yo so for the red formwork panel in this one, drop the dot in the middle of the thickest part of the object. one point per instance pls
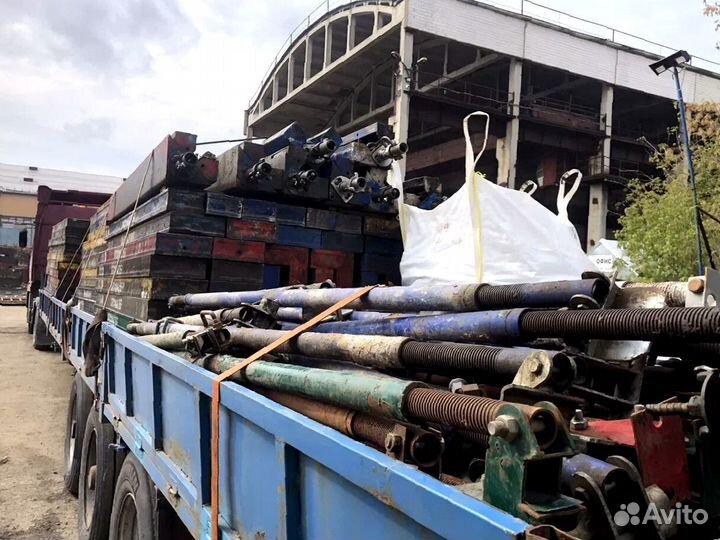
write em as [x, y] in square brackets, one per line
[245, 229]
[296, 259]
[336, 265]
[238, 250]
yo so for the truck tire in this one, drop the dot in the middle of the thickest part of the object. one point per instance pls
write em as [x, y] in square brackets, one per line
[96, 476]
[133, 511]
[30, 319]
[41, 341]
[79, 405]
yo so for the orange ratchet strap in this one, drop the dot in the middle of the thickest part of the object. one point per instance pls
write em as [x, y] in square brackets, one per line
[215, 433]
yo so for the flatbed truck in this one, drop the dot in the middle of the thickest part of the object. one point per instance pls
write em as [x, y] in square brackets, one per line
[138, 451]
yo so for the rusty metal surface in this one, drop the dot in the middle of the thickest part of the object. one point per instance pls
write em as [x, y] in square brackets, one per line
[670, 293]
[379, 352]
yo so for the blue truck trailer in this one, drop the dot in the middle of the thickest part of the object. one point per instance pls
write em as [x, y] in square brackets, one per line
[281, 474]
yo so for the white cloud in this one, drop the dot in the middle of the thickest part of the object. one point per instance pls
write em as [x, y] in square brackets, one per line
[93, 86]
[130, 76]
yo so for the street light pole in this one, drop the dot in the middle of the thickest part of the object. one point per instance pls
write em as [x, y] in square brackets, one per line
[691, 169]
[674, 62]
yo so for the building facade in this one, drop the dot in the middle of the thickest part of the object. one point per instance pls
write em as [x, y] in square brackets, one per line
[558, 98]
[18, 201]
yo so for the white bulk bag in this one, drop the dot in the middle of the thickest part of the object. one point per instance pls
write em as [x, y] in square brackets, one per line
[485, 233]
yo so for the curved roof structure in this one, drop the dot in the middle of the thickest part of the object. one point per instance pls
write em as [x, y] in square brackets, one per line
[337, 69]
[347, 47]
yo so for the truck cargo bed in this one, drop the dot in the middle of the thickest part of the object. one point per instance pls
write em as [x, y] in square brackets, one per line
[282, 475]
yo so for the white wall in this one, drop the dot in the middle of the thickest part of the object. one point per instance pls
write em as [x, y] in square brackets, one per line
[514, 35]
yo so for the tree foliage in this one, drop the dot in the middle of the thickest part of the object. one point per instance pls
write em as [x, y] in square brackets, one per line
[712, 9]
[658, 227]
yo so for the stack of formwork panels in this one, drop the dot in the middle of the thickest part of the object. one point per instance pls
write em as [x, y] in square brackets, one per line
[159, 247]
[269, 244]
[190, 241]
[88, 292]
[187, 237]
[160, 251]
[64, 257]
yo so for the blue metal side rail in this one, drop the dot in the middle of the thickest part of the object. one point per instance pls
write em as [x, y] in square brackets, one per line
[282, 475]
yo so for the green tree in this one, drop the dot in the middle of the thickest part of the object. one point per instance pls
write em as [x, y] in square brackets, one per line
[658, 226]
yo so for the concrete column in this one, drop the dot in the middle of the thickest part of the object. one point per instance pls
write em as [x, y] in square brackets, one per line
[291, 73]
[600, 168]
[352, 23]
[275, 89]
[401, 117]
[249, 131]
[308, 59]
[328, 46]
[507, 151]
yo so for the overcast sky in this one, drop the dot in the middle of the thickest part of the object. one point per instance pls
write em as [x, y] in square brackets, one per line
[92, 86]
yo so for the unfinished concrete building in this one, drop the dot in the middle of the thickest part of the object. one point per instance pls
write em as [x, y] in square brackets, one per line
[558, 98]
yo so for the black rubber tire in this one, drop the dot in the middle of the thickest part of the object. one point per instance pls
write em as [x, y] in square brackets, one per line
[97, 473]
[30, 319]
[79, 405]
[39, 335]
[133, 512]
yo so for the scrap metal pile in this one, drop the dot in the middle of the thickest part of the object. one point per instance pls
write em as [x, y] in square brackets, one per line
[293, 209]
[572, 404]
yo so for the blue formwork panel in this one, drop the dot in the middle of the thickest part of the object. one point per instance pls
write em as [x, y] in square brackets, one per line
[272, 276]
[299, 236]
[290, 215]
[282, 475]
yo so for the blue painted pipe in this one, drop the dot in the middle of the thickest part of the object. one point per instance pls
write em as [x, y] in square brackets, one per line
[597, 469]
[467, 297]
[471, 326]
[295, 315]
[290, 314]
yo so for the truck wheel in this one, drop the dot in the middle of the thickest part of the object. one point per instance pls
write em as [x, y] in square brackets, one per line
[97, 472]
[41, 341]
[79, 405]
[30, 319]
[133, 510]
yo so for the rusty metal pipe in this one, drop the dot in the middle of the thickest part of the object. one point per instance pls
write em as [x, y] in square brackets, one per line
[675, 292]
[481, 439]
[473, 413]
[495, 361]
[338, 418]
[390, 352]
[425, 447]
[451, 480]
